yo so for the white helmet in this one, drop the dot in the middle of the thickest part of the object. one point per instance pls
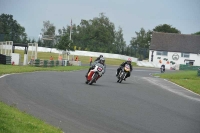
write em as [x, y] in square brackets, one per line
[102, 60]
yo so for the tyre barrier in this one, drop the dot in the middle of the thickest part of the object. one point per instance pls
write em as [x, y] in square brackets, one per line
[48, 63]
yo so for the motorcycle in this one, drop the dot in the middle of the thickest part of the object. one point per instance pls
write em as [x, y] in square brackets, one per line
[95, 74]
[162, 70]
[122, 74]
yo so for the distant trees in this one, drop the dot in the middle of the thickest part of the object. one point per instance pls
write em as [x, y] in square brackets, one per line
[97, 34]
[166, 28]
[197, 33]
[10, 29]
[48, 31]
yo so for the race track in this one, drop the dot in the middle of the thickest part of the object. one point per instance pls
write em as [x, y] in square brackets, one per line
[142, 104]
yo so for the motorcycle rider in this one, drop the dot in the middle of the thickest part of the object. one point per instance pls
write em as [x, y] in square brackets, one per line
[98, 58]
[163, 66]
[101, 61]
[123, 65]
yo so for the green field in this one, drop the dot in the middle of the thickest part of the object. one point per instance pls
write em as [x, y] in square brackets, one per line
[187, 79]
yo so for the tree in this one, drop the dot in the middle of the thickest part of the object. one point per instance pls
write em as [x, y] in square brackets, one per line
[64, 43]
[166, 29]
[119, 41]
[29, 40]
[49, 31]
[40, 43]
[11, 29]
[197, 33]
[96, 34]
[142, 40]
[141, 43]
[33, 40]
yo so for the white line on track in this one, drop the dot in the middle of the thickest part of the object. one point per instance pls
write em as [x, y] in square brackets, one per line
[156, 82]
[181, 87]
[4, 75]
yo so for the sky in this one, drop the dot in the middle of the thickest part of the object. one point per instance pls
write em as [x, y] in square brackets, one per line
[131, 15]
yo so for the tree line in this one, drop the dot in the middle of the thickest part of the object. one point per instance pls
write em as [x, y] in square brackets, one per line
[98, 34]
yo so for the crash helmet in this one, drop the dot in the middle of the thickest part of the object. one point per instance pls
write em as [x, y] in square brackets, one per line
[102, 60]
[129, 61]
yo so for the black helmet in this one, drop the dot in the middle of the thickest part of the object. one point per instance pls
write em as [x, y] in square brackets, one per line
[101, 56]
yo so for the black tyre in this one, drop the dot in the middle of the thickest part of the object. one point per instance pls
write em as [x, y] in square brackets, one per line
[121, 77]
[86, 81]
[93, 79]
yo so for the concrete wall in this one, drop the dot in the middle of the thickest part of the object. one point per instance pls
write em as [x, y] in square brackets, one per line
[15, 58]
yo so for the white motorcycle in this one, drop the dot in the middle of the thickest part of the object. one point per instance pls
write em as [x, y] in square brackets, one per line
[95, 74]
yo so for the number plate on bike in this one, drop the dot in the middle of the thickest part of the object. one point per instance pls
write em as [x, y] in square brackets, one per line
[99, 69]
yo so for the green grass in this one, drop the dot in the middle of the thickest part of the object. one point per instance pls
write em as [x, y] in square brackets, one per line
[7, 69]
[83, 59]
[187, 79]
[14, 121]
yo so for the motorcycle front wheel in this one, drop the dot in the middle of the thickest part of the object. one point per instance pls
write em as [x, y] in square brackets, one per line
[93, 79]
[122, 76]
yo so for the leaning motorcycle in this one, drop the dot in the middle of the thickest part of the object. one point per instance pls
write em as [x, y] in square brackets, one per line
[122, 74]
[95, 74]
[162, 70]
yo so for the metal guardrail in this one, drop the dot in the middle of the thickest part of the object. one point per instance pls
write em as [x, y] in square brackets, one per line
[48, 63]
[5, 59]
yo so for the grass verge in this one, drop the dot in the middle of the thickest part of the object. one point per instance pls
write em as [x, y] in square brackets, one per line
[14, 121]
[7, 69]
[187, 79]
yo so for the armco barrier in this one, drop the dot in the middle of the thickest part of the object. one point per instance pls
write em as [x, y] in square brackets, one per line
[36, 62]
[47, 63]
[198, 71]
[188, 67]
[51, 63]
[5, 59]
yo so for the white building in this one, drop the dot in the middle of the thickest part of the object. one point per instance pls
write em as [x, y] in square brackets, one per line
[173, 49]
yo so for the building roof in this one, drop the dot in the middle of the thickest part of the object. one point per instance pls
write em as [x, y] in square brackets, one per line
[174, 42]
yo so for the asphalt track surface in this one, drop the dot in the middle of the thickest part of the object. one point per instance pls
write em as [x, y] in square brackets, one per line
[141, 104]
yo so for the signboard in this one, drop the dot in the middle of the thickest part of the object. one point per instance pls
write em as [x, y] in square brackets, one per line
[175, 56]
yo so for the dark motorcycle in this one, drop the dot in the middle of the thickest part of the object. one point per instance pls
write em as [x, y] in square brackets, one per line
[162, 70]
[122, 74]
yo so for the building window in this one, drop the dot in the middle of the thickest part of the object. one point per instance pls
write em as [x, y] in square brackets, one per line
[185, 55]
[163, 53]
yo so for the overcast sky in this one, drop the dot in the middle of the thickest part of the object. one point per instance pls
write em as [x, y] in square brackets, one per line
[131, 15]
